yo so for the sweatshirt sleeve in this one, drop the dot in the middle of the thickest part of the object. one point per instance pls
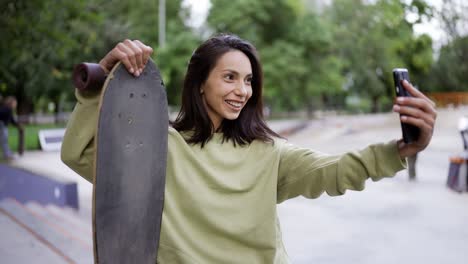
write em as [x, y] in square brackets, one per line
[78, 143]
[308, 173]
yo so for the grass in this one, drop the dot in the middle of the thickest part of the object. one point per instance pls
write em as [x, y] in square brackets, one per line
[31, 138]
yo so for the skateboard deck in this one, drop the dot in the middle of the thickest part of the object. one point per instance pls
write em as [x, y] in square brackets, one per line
[130, 167]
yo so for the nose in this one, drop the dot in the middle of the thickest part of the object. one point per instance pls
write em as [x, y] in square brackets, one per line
[242, 89]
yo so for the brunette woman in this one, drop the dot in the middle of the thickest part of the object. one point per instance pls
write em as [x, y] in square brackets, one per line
[226, 169]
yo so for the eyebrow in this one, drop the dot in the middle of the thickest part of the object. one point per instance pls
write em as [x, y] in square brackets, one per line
[235, 72]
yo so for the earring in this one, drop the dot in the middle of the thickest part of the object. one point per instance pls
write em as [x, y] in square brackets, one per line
[201, 91]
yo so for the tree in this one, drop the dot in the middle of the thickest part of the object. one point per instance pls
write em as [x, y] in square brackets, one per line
[174, 58]
[295, 46]
[37, 41]
[374, 39]
[449, 72]
[454, 18]
[261, 22]
[42, 41]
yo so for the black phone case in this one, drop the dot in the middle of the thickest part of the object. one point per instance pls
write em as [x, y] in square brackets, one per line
[410, 132]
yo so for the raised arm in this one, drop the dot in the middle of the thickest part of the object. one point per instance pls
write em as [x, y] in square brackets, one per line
[78, 144]
[310, 173]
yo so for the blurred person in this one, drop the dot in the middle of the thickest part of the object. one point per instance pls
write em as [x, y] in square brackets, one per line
[226, 169]
[6, 117]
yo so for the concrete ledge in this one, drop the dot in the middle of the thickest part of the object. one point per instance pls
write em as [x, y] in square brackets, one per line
[26, 186]
[51, 139]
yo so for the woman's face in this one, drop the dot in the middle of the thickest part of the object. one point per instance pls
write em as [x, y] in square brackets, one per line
[228, 87]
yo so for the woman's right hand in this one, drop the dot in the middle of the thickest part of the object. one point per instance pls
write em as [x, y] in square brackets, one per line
[132, 53]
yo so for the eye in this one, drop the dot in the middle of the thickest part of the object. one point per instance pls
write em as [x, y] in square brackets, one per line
[229, 76]
[248, 80]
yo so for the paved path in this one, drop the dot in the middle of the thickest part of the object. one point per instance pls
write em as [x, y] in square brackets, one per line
[391, 221]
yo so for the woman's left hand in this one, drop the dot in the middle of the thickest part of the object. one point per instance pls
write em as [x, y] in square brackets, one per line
[418, 111]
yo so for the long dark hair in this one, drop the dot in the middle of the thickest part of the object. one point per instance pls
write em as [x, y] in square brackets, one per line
[250, 124]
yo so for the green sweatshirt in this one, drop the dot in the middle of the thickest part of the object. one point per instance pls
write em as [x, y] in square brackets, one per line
[220, 200]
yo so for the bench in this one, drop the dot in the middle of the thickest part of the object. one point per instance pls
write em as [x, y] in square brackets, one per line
[51, 139]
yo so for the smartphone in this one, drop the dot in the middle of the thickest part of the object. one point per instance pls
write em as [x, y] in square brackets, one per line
[410, 132]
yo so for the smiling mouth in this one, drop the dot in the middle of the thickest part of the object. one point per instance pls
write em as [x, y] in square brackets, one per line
[234, 104]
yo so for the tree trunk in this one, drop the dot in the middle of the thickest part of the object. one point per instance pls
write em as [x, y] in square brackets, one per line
[25, 105]
[325, 101]
[375, 104]
[57, 110]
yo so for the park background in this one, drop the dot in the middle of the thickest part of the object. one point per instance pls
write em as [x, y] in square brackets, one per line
[327, 64]
[317, 55]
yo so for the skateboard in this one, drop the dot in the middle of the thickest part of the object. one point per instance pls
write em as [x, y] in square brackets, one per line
[130, 166]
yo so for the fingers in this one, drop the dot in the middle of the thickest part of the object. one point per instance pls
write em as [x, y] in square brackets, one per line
[418, 103]
[416, 93]
[147, 51]
[136, 56]
[416, 113]
[419, 100]
[426, 130]
[132, 53]
[125, 55]
[418, 122]
[416, 108]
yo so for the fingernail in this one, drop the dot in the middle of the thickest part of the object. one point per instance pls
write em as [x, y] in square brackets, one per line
[404, 118]
[396, 108]
[131, 70]
[400, 99]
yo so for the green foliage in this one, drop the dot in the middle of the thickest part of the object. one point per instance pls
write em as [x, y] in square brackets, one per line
[39, 43]
[450, 73]
[261, 22]
[42, 41]
[283, 66]
[374, 39]
[296, 48]
[311, 59]
[31, 138]
[357, 104]
[173, 60]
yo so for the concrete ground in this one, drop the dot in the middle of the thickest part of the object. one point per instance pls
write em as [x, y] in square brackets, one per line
[391, 221]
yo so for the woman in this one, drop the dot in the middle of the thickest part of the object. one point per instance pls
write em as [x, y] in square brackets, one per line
[226, 170]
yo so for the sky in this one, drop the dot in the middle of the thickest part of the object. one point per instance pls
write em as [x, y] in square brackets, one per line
[432, 28]
[199, 11]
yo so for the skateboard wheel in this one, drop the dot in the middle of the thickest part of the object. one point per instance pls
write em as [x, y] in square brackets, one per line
[88, 77]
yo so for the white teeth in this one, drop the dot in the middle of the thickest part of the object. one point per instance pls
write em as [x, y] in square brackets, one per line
[235, 104]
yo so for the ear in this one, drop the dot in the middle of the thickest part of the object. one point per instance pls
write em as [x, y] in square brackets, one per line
[202, 90]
